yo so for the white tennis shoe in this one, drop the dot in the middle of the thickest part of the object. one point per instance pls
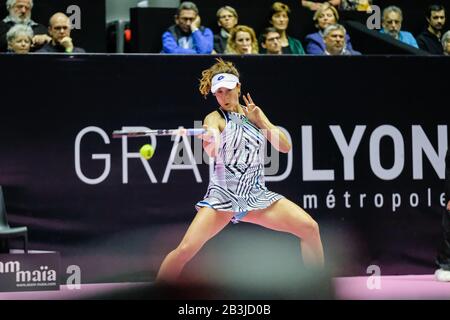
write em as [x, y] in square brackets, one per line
[442, 275]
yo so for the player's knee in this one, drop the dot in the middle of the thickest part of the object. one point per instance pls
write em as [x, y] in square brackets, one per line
[310, 229]
[185, 251]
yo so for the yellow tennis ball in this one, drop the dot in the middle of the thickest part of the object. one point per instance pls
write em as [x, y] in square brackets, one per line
[147, 151]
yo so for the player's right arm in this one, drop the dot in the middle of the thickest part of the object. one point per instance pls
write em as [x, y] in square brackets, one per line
[211, 139]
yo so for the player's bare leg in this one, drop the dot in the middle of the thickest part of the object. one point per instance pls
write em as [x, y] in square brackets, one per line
[206, 224]
[286, 216]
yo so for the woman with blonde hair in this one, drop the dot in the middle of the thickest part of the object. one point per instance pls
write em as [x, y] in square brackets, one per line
[235, 138]
[242, 40]
[325, 16]
[279, 19]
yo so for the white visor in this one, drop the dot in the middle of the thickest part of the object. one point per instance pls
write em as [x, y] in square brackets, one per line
[224, 80]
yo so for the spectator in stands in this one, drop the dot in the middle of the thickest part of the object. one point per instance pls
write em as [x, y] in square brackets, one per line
[315, 5]
[392, 19]
[59, 30]
[19, 39]
[187, 36]
[334, 38]
[242, 40]
[446, 43]
[323, 17]
[279, 19]
[20, 13]
[429, 39]
[443, 257]
[271, 41]
[227, 19]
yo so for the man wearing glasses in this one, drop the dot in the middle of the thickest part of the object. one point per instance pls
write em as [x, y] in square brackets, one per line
[227, 19]
[187, 36]
[271, 41]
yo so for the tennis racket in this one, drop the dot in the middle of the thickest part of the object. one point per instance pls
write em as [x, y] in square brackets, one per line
[157, 132]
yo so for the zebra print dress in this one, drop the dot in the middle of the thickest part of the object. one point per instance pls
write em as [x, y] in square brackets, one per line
[237, 183]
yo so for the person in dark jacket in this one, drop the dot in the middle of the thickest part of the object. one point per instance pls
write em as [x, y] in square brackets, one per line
[20, 13]
[271, 41]
[430, 39]
[227, 19]
[60, 30]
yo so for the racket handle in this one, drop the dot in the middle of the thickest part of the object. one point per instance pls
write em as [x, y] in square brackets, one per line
[195, 132]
